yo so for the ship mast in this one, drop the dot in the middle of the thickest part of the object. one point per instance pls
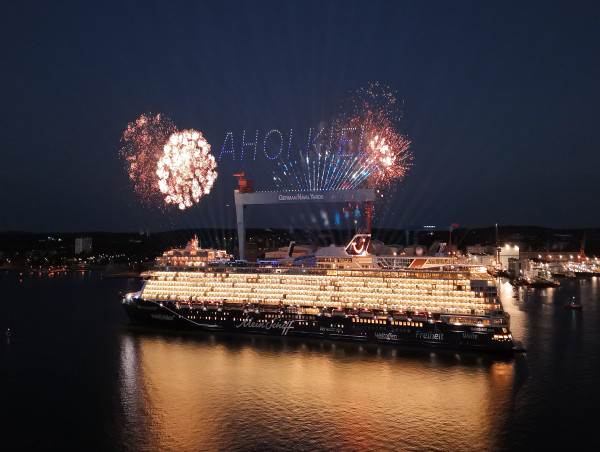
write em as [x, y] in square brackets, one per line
[497, 248]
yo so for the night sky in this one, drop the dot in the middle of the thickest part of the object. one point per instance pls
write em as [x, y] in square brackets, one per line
[500, 101]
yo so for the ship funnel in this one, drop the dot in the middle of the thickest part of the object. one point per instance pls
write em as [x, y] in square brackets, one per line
[360, 245]
[290, 250]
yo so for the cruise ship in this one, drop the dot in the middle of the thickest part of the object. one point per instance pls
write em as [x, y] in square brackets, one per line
[337, 293]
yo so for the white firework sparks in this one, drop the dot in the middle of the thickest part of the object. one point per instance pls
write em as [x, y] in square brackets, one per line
[186, 170]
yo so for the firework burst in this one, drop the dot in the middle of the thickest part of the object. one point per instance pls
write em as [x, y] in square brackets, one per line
[143, 143]
[384, 156]
[363, 147]
[186, 170]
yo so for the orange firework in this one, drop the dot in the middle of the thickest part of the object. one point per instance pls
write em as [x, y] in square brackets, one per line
[186, 170]
[374, 112]
[144, 140]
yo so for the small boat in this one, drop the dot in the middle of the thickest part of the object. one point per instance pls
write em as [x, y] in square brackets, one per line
[212, 306]
[351, 312]
[339, 312]
[399, 315]
[230, 305]
[7, 333]
[270, 307]
[573, 305]
[419, 316]
[366, 314]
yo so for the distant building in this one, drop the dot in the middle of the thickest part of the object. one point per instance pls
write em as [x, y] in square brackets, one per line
[486, 260]
[481, 249]
[508, 252]
[515, 266]
[83, 244]
[564, 256]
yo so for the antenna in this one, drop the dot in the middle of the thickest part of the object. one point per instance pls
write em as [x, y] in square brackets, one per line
[452, 226]
[581, 256]
[497, 248]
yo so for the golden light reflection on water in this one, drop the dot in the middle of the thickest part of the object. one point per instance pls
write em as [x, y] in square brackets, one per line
[218, 393]
[511, 297]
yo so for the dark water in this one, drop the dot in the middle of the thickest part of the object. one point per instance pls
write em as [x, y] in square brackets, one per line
[76, 376]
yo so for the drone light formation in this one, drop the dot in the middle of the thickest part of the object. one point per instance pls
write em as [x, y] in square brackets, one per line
[363, 148]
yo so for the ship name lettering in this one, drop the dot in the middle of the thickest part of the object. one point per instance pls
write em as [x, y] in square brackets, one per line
[387, 336]
[285, 327]
[331, 329]
[161, 317]
[469, 336]
[430, 336]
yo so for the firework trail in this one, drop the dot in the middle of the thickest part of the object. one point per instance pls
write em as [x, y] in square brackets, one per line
[186, 170]
[363, 148]
[143, 143]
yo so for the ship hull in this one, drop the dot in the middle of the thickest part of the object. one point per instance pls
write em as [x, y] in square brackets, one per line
[437, 334]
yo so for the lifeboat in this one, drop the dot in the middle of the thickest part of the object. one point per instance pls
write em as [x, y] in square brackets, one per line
[212, 306]
[366, 314]
[352, 312]
[233, 305]
[269, 307]
[338, 312]
[419, 316]
[399, 315]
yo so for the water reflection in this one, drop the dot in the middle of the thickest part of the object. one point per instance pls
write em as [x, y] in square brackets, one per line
[131, 388]
[231, 393]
